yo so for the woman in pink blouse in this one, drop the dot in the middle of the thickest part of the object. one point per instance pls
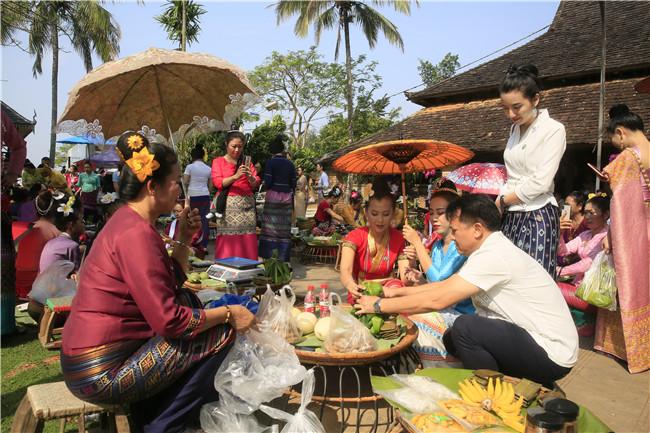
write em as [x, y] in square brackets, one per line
[236, 228]
[586, 245]
[133, 335]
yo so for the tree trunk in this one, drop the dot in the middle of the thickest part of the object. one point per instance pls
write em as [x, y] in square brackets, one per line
[184, 27]
[55, 89]
[348, 70]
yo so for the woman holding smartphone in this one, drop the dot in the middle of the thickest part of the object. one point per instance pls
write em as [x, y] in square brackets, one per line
[236, 236]
[532, 156]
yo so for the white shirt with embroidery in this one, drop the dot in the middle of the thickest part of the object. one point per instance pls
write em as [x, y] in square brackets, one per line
[532, 161]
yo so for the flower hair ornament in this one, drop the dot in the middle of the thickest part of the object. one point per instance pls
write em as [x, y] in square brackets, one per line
[142, 162]
[66, 208]
[594, 195]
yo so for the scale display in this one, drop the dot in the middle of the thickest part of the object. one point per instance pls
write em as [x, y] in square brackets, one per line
[232, 275]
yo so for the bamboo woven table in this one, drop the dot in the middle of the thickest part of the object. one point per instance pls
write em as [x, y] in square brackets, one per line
[345, 378]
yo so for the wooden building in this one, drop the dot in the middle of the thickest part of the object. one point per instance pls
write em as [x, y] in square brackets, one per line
[466, 109]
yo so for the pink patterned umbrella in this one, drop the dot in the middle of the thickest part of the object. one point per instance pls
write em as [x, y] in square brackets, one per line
[480, 177]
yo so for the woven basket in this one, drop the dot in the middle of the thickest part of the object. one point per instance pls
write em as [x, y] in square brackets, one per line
[306, 224]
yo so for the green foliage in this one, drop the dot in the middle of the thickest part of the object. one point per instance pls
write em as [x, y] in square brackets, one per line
[302, 85]
[212, 143]
[62, 154]
[258, 142]
[172, 20]
[432, 74]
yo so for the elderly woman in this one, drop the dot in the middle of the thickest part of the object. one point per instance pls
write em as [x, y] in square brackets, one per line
[133, 336]
[371, 252]
[236, 229]
[302, 193]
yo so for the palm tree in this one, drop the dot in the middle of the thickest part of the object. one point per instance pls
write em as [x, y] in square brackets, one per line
[89, 27]
[181, 21]
[328, 14]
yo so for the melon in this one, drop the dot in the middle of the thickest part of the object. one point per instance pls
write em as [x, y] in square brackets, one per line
[295, 312]
[322, 328]
[306, 322]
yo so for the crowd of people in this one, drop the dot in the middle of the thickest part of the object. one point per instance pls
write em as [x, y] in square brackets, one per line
[488, 281]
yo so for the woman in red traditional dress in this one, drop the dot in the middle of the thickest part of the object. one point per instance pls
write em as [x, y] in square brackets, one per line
[371, 252]
[134, 336]
[237, 224]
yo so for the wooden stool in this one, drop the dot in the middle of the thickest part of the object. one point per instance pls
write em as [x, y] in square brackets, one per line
[53, 309]
[51, 401]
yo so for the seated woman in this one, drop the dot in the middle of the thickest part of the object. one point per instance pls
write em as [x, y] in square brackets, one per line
[325, 214]
[69, 220]
[32, 242]
[586, 246]
[352, 213]
[133, 335]
[371, 252]
[442, 263]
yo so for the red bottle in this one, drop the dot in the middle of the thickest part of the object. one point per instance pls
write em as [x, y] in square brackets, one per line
[324, 300]
[310, 300]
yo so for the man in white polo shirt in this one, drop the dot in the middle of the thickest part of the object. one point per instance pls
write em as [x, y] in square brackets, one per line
[522, 327]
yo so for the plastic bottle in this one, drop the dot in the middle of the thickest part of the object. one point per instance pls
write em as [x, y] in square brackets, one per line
[310, 300]
[324, 300]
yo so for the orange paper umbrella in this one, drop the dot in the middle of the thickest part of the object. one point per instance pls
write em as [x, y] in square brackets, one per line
[401, 157]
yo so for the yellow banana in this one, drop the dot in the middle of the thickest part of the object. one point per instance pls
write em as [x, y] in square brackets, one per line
[490, 389]
[498, 391]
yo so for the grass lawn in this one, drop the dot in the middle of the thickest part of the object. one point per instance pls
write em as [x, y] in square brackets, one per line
[25, 363]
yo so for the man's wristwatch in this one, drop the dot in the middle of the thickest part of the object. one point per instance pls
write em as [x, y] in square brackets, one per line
[377, 306]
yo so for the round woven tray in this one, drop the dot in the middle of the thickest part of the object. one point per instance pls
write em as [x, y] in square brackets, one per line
[360, 358]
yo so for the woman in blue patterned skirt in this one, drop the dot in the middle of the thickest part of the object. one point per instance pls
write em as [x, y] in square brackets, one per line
[532, 156]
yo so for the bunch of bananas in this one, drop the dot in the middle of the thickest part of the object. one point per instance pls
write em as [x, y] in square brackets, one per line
[498, 397]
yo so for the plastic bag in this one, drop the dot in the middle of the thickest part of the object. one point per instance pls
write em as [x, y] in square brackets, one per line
[54, 282]
[599, 284]
[258, 368]
[216, 419]
[427, 386]
[347, 334]
[274, 314]
[304, 421]
[410, 399]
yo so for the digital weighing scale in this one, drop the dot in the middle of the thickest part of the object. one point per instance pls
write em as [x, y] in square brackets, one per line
[235, 270]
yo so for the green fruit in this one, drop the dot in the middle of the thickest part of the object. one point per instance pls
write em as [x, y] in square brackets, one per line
[204, 276]
[373, 288]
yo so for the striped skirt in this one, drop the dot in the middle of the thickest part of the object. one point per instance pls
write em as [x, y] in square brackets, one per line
[537, 233]
[276, 225]
[130, 371]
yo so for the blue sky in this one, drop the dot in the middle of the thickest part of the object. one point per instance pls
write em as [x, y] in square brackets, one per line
[245, 32]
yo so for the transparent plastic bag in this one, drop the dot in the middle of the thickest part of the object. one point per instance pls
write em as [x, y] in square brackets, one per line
[598, 287]
[216, 419]
[410, 399]
[53, 282]
[274, 314]
[427, 386]
[347, 334]
[258, 368]
[304, 421]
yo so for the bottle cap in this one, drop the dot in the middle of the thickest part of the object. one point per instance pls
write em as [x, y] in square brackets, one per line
[567, 409]
[310, 287]
[324, 286]
[549, 421]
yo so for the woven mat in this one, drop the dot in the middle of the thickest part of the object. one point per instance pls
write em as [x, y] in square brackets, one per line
[54, 400]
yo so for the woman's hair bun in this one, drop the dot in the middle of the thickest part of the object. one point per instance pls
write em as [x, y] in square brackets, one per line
[618, 110]
[130, 142]
[527, 69]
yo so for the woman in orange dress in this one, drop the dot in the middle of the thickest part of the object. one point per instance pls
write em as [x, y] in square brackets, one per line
[371, 252]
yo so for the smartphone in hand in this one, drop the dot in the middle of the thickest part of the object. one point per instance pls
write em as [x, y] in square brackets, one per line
[566, 212]
[247, 161]
[599, 173]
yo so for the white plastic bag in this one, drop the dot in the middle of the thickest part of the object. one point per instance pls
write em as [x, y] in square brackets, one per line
[274, 314]
[216, 419]
[258, 368]
[53, 282]
[412, 400]
[347, 333]
[427, 386]
[304, 421]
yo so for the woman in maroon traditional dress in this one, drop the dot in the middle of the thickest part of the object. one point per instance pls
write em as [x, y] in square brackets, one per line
[133, 336]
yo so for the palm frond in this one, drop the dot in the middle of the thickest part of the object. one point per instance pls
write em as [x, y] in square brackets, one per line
[401, 6]
[326, 20]
[371, 22]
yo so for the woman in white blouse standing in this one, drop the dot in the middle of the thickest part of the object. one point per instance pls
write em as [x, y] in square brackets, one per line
[532, 156]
